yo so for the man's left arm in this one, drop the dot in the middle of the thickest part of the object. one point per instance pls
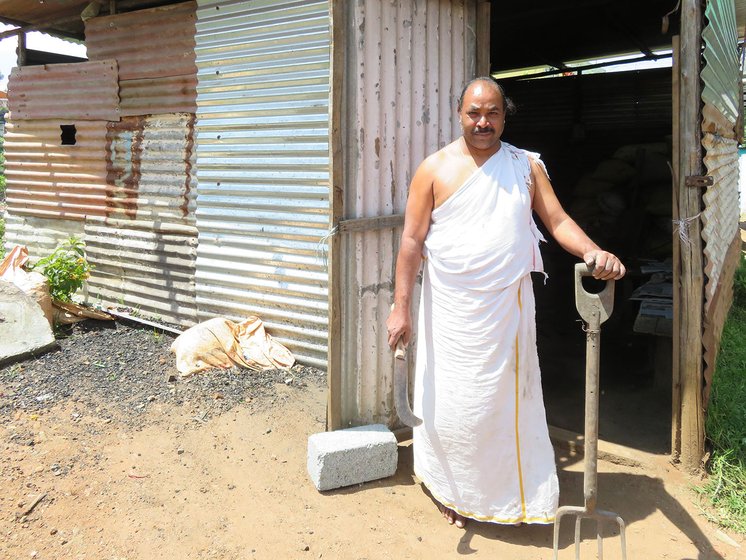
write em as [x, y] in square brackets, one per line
[567, 233]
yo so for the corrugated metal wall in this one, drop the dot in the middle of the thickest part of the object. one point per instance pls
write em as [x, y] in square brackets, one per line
[155, 52]
[721, 95]
[50, 180]
[407, 62]
[80, 91]
[128, 184]
[263, 166]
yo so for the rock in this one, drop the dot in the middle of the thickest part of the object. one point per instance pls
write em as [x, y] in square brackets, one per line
[24, 329]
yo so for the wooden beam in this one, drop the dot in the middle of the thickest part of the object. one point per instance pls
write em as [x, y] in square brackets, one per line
[338, 26]
[367, 224]
[675, 165]
[691, 288]
[483, 38]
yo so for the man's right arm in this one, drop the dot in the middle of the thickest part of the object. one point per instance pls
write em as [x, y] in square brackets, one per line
[416, 225]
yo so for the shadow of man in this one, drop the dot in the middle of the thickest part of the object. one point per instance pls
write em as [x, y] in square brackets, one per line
[634, 497]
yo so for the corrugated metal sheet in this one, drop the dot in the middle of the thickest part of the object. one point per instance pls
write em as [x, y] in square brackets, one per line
[153, 43]
[409, 61]
[155, 52]
[150, 96]
[150, 169]
[143, 269]
[721, 97]
[263, 167]
[48, 179]
[39, 235]
[76, 91]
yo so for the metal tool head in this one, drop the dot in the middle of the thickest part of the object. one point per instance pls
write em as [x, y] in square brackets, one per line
[401, 388]
[599, 516]
[589, 304]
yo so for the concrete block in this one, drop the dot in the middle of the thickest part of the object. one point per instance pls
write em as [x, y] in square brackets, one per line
[351, 456]
[24, 330]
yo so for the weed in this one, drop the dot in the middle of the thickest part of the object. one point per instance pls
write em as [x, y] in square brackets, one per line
[66, 269]
[726, 417]
[157, 336]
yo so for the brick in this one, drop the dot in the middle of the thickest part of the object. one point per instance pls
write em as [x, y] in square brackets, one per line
[351, 456]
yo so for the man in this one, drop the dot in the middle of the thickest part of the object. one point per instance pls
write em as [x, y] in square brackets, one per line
[483, 450]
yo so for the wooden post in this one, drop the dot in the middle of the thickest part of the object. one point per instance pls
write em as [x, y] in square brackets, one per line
[691, 286]
[338, 25]
[21, 50]
[483, 38]
[676, 166]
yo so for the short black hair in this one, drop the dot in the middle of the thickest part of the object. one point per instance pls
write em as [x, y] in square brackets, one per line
[509, 106]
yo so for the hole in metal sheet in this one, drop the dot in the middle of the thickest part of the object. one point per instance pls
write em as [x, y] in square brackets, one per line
[67, 134]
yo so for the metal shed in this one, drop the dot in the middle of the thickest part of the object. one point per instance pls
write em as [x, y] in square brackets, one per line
[251, 156]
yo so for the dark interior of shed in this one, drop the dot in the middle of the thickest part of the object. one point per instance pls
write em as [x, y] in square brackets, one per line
[606, 141]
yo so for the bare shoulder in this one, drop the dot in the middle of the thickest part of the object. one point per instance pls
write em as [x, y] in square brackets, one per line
[433, 163]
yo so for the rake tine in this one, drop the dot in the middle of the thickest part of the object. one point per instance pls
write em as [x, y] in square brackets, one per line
[600, 541]
[578, 520]
[622, 536]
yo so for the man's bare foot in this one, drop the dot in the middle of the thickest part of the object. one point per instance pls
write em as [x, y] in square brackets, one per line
[452, 517]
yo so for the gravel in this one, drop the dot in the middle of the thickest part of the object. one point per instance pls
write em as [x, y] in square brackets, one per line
[119, 371]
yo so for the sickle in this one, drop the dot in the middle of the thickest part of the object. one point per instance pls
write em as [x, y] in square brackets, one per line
[401, 387]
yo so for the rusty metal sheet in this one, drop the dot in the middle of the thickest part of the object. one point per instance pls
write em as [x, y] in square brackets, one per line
[150, 169]
[153, 43]
[149, 96]
[76, 91]
[409, 61]
[48, 179]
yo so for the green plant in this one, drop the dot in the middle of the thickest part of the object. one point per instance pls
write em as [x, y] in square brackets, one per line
[739, 284]
[726, 418]
[66, 269]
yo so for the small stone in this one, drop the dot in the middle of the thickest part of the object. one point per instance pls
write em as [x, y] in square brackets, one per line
[180, 451]
[231, 487]
[34, 554]
[53, 531]
[305, 548]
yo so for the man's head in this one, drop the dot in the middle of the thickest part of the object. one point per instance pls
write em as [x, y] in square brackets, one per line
[482, 109]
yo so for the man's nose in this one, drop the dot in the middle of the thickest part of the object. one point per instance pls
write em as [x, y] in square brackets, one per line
[482, 122]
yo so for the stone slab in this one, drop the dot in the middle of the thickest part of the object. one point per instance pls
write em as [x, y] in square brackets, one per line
[351, 456]
[24, 330]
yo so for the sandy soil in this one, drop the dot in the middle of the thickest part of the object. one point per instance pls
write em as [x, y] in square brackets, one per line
[168, 480]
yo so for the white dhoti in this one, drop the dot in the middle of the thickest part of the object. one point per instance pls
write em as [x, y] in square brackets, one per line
[483, 448]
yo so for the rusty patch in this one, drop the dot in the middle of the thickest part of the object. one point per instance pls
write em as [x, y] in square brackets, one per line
[188, 163]
[124, 151]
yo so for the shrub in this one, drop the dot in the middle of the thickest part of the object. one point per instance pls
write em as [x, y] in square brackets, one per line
[66, 269]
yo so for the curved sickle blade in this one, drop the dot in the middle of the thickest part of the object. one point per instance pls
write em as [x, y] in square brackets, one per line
[401, 388]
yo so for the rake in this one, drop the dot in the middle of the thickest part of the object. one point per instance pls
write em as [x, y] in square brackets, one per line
[594, 309]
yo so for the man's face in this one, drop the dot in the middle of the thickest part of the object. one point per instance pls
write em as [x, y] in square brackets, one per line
[482, 116]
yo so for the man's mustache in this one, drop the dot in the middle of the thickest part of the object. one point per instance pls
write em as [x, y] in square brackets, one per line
[485, 129]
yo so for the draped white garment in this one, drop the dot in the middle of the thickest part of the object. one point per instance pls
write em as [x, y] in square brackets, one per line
[483, 448]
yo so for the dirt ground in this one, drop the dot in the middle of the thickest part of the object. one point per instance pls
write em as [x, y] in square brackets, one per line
[105, 458]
